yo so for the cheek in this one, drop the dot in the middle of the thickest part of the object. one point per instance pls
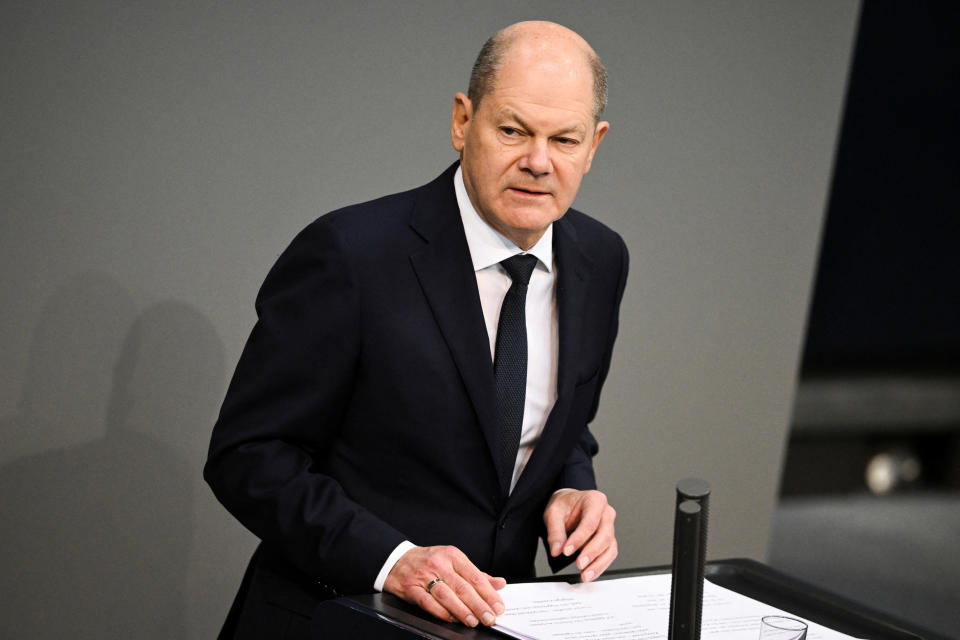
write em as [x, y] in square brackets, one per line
[568, 179]
[492, 176]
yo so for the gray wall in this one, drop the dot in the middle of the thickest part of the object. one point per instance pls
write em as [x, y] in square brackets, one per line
[155, 158]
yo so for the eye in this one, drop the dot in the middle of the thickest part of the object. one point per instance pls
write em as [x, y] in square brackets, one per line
[567, 142]
[509, 131]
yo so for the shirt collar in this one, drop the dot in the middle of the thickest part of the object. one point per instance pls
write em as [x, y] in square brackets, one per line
[487, 245]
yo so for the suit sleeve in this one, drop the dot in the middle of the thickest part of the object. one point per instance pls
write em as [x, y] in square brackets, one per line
[282, 415]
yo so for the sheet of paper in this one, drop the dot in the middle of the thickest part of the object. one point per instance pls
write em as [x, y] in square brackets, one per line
[634, 608]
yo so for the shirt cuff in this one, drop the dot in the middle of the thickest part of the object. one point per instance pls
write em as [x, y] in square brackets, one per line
[392, 559]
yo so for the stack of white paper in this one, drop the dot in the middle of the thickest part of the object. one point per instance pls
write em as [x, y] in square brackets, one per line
[629, 608]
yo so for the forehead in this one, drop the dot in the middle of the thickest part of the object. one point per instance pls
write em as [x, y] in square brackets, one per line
[545, 80]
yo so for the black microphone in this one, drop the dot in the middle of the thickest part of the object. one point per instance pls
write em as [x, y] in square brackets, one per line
[689, 555]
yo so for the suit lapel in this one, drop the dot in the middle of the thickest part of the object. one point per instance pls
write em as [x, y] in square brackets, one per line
[573, 279]
[445, 272]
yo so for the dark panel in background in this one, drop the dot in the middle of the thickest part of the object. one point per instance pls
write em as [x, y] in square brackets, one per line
[886, 294]
[878, 404]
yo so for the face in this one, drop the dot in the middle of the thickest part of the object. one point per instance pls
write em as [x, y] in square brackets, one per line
[527, 146]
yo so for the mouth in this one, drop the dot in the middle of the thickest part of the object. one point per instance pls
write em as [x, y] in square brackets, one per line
[528, 193]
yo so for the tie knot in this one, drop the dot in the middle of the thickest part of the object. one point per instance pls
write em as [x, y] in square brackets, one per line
[519, 267]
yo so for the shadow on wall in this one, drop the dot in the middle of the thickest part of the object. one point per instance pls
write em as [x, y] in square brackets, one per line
[96, 535]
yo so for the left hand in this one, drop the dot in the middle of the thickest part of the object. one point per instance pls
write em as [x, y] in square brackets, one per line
[582, 520]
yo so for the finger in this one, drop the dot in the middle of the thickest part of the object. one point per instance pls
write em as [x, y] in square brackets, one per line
[600, 564]
[497, 583]
[602, 539]
[455, 594]
[591, 511]
[431, 605]
[477, 592]
[487, 587]
[555, 519]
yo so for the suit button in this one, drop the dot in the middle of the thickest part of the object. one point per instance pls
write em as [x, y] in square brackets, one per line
[503, 522]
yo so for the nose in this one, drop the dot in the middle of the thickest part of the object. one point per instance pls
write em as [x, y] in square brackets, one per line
[536, 160]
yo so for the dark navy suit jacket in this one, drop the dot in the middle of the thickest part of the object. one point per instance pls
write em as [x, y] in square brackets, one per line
[362, 411]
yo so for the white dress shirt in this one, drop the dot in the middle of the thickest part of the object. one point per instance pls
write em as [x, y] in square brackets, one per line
[488, 248]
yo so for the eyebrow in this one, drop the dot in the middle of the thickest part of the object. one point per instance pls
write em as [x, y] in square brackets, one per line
[509, 114]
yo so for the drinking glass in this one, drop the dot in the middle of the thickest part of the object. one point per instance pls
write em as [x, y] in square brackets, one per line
[782, 628]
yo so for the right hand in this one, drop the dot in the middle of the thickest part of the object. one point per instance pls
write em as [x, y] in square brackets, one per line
[466, 593]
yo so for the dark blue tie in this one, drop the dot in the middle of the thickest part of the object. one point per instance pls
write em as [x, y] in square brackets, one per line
[510, 364]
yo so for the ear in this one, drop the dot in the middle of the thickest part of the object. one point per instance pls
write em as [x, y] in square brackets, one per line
[460, 120]
[598, 132]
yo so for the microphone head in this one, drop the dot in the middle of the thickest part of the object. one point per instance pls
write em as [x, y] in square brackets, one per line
[689, 508]
[692, 489]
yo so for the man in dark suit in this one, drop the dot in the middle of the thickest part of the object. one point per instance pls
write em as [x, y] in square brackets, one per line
[410, 412]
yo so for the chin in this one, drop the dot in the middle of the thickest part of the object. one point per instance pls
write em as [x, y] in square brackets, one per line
[531, 218]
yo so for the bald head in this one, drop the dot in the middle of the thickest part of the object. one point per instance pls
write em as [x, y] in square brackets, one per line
[532, 39]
